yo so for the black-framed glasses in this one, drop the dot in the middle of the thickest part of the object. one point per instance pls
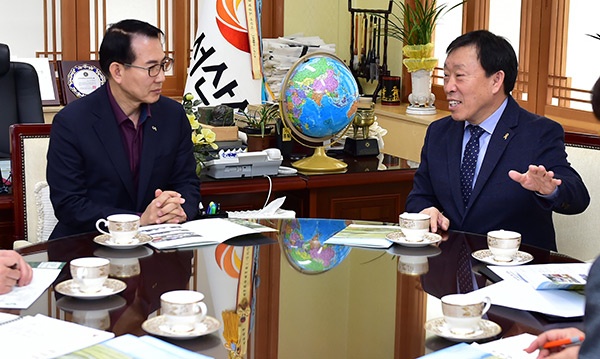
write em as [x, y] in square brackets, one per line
[154, 70]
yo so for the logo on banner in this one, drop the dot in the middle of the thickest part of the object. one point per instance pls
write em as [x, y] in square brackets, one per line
[230, 26]
[221, 67]
[228, 260]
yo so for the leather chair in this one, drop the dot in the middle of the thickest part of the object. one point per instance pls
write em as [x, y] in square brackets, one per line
[20, 98]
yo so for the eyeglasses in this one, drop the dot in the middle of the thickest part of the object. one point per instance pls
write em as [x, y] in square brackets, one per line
[154, 70]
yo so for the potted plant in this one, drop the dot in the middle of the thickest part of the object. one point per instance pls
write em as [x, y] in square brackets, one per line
[258, 122]
[414, 26]
[202, 138]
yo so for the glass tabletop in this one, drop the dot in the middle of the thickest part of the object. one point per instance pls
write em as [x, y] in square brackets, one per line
[309, 299]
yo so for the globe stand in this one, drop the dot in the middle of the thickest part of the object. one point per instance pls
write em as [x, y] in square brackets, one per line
[320, 162]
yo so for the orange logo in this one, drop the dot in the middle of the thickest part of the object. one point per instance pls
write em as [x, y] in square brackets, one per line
[230, 26]
[228, 260]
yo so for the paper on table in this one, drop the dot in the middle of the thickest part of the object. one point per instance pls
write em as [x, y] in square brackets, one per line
[44, 337]
[44, 274]
[363, 235]
[561, 303]
[510, 347]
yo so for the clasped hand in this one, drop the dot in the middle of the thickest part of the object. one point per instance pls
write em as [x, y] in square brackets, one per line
[166, 207]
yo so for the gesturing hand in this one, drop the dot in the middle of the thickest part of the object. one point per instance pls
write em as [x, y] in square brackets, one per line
[536, 179]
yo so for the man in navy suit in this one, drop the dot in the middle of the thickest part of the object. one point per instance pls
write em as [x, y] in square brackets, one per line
[521, 173]
[123, 148]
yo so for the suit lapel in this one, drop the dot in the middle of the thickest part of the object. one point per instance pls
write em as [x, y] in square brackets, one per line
[150, 142]
[453, 153]
[108, 132]
[503, 134]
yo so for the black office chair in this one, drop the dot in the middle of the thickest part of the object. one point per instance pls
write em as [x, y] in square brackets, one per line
[20, 99]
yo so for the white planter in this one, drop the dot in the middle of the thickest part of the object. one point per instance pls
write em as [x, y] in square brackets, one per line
[421, 99]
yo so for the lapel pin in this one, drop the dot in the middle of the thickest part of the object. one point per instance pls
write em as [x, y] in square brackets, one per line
[154, 128]
[506, 135]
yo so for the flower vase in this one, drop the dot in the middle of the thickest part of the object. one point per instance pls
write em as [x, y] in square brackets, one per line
[420, 64]
[421, 99]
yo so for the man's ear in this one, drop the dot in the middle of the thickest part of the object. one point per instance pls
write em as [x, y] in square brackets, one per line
[116, 71]
[498, 81]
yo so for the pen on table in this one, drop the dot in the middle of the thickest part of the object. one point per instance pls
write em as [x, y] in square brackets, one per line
[565, 341]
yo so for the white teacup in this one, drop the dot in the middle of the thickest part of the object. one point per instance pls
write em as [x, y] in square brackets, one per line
[414, 226]
[463, 313]
[90, 273]
[183, 310]
[122, 228]
[504, 245]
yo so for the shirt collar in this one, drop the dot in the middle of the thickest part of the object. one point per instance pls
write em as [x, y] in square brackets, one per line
[118, 112]
[489, 124]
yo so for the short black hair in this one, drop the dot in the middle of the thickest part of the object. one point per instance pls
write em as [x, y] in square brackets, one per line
[596, 99]
[116, 44]
[494, 52]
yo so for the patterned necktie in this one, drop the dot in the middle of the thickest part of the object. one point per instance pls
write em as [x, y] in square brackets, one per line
[469, 161]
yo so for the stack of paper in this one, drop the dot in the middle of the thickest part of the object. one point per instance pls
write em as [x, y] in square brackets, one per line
[280, 54]
[557, 302]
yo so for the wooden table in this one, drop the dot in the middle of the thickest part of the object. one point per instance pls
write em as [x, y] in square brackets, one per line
[370, 189]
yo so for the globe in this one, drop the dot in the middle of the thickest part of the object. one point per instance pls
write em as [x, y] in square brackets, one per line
[302, 243]
[318, 100]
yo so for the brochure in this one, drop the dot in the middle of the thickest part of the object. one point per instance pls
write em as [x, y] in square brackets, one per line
[363, 235]
[200, 232]
[571, 276]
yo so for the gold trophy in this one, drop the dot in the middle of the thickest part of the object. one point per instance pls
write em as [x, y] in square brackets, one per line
[362, 145]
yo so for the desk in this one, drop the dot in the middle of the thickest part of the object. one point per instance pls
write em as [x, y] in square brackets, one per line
[369, 190]
[362, 308]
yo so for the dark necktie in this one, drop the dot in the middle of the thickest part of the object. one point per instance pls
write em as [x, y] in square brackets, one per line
[464, 274]
[469, 161]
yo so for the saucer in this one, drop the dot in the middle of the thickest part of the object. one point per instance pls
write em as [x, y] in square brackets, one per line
[487, 329]
[139, 240]
[110, 253]
[111, 286]
[156, 326]
[426, 251]
[70, 304]
[485, 255]
[428, 238]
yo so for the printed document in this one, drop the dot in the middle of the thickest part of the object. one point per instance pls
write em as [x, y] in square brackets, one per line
[44, 274]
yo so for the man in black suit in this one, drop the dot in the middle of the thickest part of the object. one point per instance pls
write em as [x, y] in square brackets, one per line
[123, 148]
[521, 174]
